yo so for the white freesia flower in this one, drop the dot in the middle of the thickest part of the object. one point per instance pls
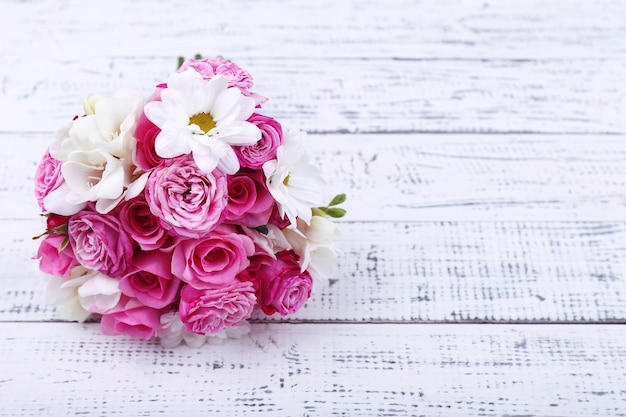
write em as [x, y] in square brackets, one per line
[99, 293]
[203, 118]
[97, 151]
[292, 179]
[315, 245]
[172, 330]
[62, 293]
[109, 125]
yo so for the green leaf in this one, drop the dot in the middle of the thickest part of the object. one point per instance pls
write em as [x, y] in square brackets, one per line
[180, 61]
[336, 212]
[338, 199]
[197, 56]
[66, 242]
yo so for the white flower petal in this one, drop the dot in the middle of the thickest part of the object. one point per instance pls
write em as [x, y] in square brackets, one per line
[229, 164]
[239, 133]
[56, 202]
[99, 293]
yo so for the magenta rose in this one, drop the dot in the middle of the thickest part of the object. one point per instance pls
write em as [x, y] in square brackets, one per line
[53, 260]
[277, 220]
[249, 201]
[100, 242]
[47, 177]
[211, 310]
[151, 281]
[143, 226]
[212, 261]
[255, 155]
[281, 286]
[187, 201]
[139, 322]
[145, 133]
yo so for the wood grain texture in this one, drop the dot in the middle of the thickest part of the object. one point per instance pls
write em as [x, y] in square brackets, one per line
[323, 29]
[420, 272]
[482, 147]
[425, 177]
[352, 95]
[319, 370]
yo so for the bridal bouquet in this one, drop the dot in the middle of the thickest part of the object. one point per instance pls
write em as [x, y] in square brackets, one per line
[179, 217]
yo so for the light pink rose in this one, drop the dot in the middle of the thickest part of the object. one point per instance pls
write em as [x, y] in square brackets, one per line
[48, 177]
[54, 261]
[151, 281]
[187, 201]
[210, 67]
[143, 226]
[211, 310]
[145, 133]
[235, 75]
[281, 286]
[255, 155]
[249, 201]
[100, 242]
[212, 261]
[139, 322]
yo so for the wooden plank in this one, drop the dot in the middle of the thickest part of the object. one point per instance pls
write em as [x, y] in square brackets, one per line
[322, 29]
[357, 96]
[421, 272]
[319, 370]
[425, 177]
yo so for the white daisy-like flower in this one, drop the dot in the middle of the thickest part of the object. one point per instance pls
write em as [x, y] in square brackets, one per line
[203, 118]
[292, 179]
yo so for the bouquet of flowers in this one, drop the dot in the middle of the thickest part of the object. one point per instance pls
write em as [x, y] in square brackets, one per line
[179, 217]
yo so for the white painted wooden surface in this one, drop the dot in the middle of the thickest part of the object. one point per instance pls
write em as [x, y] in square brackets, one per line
[482, 145]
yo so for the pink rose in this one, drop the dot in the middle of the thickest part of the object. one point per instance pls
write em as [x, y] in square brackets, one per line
[47, 177]
[143, 226]
[212, 310]
[54, 261]
[282, 287]
[235, 75]
[213, 261]
[145, 133]
[255, 155]
[151, 281]
[140, 322]
[187, 201]
[210, 67]
[249, 201]
[100, 242]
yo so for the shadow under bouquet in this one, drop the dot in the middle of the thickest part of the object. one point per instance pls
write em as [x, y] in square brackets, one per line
[179, 217]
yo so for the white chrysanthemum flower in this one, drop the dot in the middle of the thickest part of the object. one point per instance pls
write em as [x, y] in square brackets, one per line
[96, 152]
[315, 245]
[294, 182]
[203, 118]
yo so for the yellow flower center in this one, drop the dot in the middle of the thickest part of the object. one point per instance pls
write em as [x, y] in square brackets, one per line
[286, 180]
[203, 120]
